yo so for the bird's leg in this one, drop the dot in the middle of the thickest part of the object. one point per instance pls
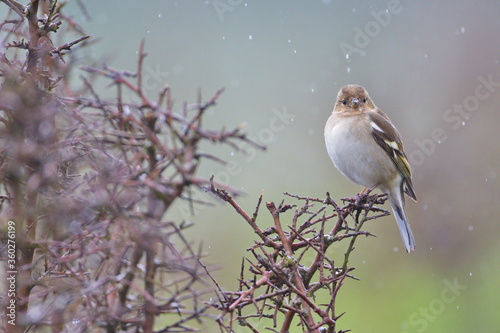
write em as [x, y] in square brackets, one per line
[369, 189]
[364, 194]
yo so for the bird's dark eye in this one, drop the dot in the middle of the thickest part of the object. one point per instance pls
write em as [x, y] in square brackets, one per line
[364, 100]
[344, 102]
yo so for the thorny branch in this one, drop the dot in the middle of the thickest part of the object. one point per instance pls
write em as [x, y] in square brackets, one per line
[88, 182]
[281, 286]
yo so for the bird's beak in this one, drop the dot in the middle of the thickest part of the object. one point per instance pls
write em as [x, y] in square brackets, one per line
[355, 102]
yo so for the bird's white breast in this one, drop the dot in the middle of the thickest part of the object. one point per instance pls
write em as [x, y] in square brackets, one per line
[356, 154]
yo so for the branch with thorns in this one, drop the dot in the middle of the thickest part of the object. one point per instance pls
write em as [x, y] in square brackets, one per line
[89, 181]
[282, 286]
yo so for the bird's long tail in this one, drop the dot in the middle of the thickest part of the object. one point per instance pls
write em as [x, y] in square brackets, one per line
[397, 203]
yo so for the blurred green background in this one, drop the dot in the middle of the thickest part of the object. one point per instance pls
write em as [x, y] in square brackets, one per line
[282, 64]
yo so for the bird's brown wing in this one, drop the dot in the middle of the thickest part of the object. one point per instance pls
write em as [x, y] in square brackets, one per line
[387, 136]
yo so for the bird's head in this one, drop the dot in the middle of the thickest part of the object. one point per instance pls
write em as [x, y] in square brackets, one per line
[353, 98]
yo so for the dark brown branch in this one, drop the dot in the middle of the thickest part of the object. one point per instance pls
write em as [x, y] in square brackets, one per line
[281, 272]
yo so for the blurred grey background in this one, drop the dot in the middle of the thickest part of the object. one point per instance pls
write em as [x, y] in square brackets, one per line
[433, 67]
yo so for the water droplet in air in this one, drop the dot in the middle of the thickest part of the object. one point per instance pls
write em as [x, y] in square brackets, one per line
[250, 37]
[471, 228]
[463, 123]
[178, 69]
[348, 69]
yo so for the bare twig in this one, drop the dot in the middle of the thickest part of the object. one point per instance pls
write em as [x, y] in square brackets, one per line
[279, 264]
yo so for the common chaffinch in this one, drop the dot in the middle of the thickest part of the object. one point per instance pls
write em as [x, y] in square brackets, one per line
[366, 148]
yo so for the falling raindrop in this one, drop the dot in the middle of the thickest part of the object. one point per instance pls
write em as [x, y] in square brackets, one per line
[178, 69]
[347, 56]
[294, 51]
[463, 123]
[462, 29]
[160, 15]
[250, 37]
[348, 69]
[223, 37]
[232, 153]
[471, 228]
[470, 274]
